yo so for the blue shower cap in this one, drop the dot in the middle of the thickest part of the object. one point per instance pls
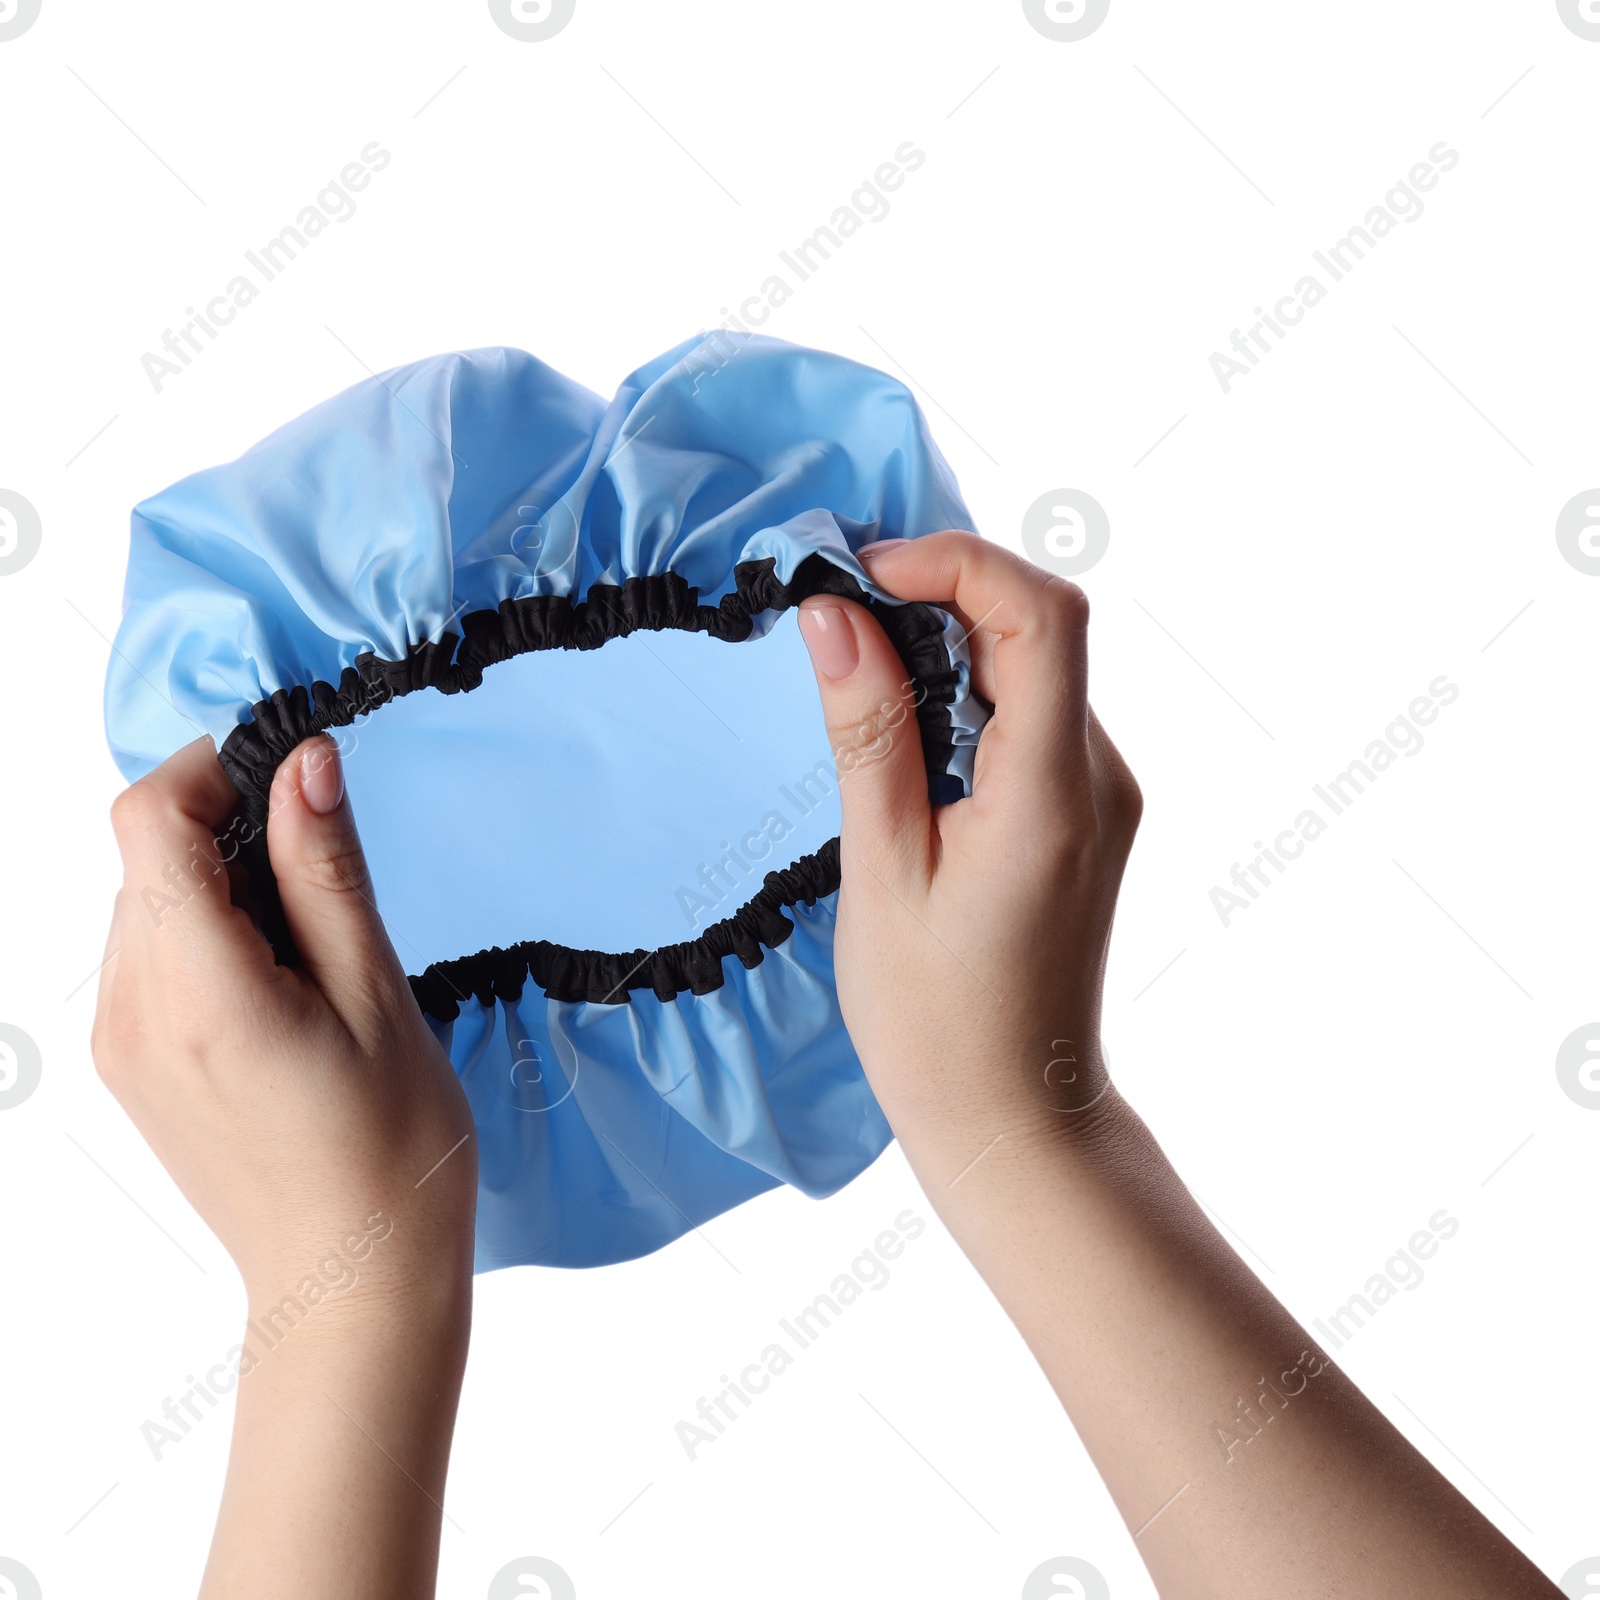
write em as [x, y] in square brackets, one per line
[479, 511]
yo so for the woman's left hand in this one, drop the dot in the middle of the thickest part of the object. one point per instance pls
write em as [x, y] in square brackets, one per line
[311, 1118]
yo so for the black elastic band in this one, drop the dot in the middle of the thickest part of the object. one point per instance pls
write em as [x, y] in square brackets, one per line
[252, 753]
[604, 977]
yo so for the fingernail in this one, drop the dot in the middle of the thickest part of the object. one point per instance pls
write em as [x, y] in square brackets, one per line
[321, 777]
[878, 548]
[830, 638]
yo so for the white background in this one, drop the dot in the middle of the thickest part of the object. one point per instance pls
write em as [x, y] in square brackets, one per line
[1375, 505]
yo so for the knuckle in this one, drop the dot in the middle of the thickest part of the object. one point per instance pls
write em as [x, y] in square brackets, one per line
[1123, 798]
[1067, 602]
[337, 869]
[138, 809]
[110, 1052]
[963, 542]
[868, 735]
[102, 1051]
[1130, 801]
[1032, 572]
[1052, 602]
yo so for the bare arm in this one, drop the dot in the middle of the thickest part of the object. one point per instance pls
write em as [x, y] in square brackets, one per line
[315, 1124]
[971, 948]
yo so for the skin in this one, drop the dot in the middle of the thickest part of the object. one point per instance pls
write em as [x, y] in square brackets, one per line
[971, 950]
[290, 1107]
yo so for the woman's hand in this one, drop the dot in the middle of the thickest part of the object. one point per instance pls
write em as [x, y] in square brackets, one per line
[971, 942]
[314, 1122]
[289, 1105]
[969, 953]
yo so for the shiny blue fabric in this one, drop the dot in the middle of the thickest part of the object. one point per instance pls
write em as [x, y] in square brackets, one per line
[618, 798]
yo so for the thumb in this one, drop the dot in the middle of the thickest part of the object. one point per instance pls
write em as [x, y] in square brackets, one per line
[870, 710]
[325, 886]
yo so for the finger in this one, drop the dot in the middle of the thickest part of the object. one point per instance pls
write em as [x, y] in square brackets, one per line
[995, 595]
[1033, 665]
[326, 889]
[175, 882]
[870, 710]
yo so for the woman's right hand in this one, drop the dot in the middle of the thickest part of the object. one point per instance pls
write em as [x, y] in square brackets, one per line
[970, 952]
[971, 941]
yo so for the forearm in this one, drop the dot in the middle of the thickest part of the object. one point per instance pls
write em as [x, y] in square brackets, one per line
[1243, 1461]
[970, 950]
[341, 1442]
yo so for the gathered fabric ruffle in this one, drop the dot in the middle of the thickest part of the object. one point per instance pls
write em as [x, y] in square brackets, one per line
[455, 664]
[605, 978]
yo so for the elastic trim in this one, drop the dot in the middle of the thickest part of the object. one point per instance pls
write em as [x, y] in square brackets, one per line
[604, 978]
[252, 753]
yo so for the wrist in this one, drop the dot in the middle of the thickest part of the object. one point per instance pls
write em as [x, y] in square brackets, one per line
[1017, 1143]
[381, 1307]
[376, 1342]
[1039, 1094]
[379, 1262]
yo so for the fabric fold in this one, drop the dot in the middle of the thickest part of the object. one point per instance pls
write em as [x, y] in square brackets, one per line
[425, 528]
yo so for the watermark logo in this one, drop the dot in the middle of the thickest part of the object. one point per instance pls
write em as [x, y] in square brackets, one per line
[1583, 17]
[1403, 737]
[529, 1085]
[1582, 1582]
[532, 1578]
[1066, 21]
[1066, 532]
[1403, 1270]
[738, 869]
[1403, 203]
[20, 531]
[1067, 1578]
[16, 17]
[335, 1274]
[870, 1271]
[16, 1582]
[1578, 1066]
[532, 21]
[1578, 531]
[202, 326]
[20, 1066]
[541, 528]
[1075, 1076]
[1270, 1399]
[868, 202]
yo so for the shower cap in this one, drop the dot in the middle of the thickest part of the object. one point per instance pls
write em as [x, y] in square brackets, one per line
[602, 840]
